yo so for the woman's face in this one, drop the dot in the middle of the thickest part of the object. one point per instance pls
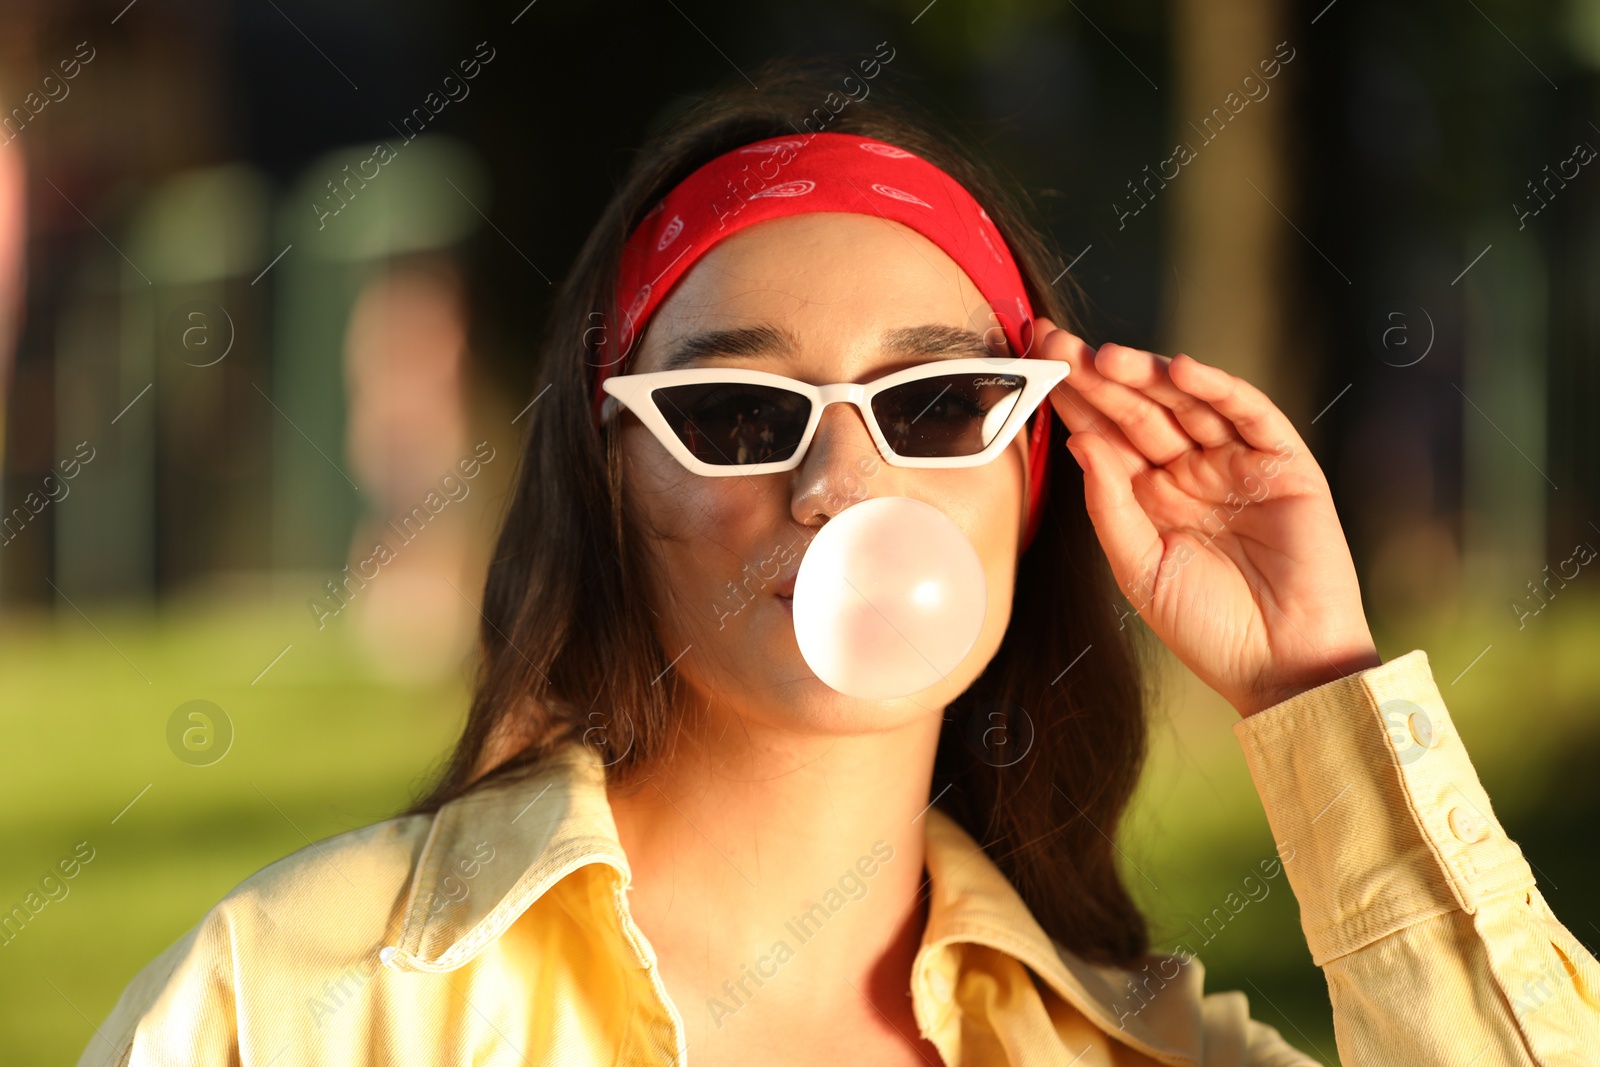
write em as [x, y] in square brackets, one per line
[840, 286]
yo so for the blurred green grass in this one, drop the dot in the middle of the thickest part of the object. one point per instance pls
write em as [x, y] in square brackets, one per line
[321, 745]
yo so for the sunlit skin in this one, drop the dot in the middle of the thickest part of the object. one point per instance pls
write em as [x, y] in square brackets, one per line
[778, 784]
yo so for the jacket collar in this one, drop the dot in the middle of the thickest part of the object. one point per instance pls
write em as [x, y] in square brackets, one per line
[973, 901]
[491, 854]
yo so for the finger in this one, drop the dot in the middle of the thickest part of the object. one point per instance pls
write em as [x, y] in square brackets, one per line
[1256, 418]
[1079, 415]
[1150, 374]
[1130, 540]
[1148, 426]
[1076, 412]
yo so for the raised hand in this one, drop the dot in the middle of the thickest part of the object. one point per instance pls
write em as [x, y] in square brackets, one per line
[1216, 519]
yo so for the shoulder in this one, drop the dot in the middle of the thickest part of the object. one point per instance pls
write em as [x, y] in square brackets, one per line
[1160, 1007]
[317, 911]
[345, 890]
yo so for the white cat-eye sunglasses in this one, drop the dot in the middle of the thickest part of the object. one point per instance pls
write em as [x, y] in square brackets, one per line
[729, 421]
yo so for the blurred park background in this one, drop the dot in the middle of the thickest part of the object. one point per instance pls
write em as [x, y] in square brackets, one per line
[240, 345]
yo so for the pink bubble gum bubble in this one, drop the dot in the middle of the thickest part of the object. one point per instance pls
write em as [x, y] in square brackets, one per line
[890, 597]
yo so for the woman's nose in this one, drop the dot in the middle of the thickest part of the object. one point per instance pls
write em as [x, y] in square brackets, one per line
[837, 467]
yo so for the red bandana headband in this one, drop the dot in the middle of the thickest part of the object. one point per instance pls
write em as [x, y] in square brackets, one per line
[820, 172]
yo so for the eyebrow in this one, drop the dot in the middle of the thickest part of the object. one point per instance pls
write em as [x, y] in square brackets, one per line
[902, 342]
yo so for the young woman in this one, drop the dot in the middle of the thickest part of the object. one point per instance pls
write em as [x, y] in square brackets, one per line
[662, 840]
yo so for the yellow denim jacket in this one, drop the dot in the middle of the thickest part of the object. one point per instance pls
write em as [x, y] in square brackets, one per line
[497, 931]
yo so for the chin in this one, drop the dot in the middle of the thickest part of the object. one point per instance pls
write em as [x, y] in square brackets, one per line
[752, 668]
[808, 706]
[767, 681]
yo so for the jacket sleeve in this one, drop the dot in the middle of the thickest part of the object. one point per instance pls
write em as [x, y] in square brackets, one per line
[1437, 946]
[178, 1010]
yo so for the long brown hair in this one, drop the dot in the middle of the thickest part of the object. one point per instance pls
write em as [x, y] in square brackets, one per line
[567, 650]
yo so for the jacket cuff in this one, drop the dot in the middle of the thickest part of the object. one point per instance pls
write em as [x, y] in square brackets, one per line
[1378, 814]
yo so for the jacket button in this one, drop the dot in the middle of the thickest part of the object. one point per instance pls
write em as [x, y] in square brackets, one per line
[1468, 826]
[1421, 729]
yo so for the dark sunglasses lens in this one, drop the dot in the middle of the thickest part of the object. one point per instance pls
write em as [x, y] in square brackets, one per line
[947, 415]
[732, 424]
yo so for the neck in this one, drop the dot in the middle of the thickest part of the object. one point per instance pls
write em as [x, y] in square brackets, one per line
[779, 876]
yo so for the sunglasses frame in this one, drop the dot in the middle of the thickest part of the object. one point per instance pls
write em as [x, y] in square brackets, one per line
[635, 391]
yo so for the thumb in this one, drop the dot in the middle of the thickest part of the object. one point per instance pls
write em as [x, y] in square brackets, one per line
[1130, 540]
